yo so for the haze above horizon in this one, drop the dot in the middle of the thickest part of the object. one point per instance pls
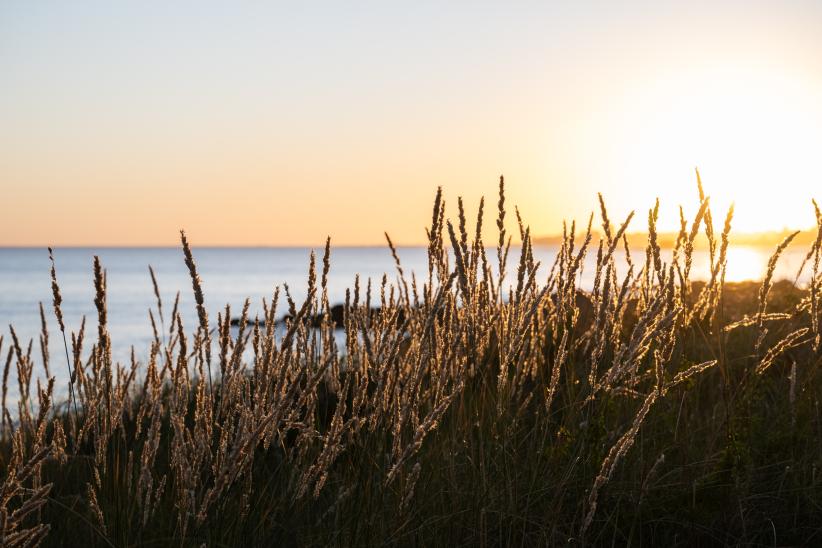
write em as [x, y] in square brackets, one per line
[279, 125]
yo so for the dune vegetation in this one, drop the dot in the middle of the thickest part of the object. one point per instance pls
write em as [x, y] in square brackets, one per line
[478, 403]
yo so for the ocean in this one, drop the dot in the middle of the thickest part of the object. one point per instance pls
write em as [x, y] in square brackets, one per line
[229, 276]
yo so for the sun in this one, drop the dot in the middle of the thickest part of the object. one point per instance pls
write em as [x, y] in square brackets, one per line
[754, 132]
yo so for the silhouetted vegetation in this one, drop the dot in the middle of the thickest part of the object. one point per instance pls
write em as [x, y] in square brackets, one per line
[466, 406]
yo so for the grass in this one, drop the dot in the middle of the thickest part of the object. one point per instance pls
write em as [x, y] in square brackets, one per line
[650, 410]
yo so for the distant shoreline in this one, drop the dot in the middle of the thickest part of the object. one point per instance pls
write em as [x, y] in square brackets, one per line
[667, 240]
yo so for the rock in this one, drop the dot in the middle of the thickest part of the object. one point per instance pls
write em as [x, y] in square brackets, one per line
[250, 322]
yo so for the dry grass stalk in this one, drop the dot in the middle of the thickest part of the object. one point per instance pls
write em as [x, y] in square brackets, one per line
[766, 286]
[436, 377]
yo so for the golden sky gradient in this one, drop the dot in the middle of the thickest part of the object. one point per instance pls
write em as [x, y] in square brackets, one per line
[279, 124]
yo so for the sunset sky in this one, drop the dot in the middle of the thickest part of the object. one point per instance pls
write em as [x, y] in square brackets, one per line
[279, 124]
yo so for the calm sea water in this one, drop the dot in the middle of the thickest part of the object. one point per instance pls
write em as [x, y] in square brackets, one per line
[229, 276]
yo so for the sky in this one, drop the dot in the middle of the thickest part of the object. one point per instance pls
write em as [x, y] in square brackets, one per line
[280, 124]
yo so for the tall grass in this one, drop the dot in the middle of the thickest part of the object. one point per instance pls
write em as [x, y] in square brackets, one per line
[463, 407]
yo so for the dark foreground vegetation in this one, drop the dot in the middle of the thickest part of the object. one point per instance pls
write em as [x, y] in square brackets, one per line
[649, 411]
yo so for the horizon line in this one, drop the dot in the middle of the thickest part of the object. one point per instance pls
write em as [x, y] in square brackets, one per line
[536, 240]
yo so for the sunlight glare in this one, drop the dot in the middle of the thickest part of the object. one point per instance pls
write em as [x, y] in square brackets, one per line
[745, 263]
[752, 134]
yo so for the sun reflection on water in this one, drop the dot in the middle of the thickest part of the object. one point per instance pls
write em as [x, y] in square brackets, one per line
[745, 263]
